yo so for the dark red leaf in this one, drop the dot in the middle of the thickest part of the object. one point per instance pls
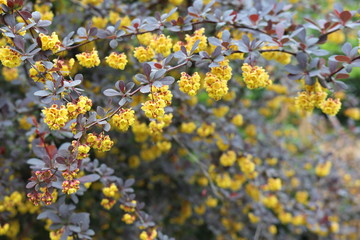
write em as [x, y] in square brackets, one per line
[345, 16]
[342, 76]
[158, 65]
[25, 14]
[254, 18]
[342, 58]
[10, 4]
[52, 150]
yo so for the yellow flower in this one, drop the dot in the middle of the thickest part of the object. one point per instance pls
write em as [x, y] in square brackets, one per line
[228, 158]
[285, 217]
[88, 60]
[55, 117]
[82, 106]
[331, 106]
[144, 54]
[299, 220]
[255, 77]
[70, 187]
[159, 99]
[323, 169]
[45, 10]
[189, 84]
[188, 127]
[224, 71]
[237, 120]
[246, 165]
[337, 37]
[10, 74]
[270, 201]
[110, 191]
[123, 120]
[4, 229]
[206, 130]
[9, 58]
[274, 184]
[50, 42]
[116, 60]
[281, 57]
[353, 113]
[215, 87]
[99, 22]
[221, 111]
[211, 202]
[146, 235]
[162, 45]
[128, 218]
[145, 38]
[223, 180]
[272, 229]
[253, 218]
[198, 35]
[3, 2]
[302, 197]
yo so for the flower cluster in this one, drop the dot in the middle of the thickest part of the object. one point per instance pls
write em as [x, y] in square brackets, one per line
[246, 165]
[70, 185]
[160, 97]
[10, 74]
[215, 87]
[189, 84]
[206, 130]
[117, 60]
[331, 106]
[315, 96]
[123, 120]
[55, 117]
[323, 169]
[82, 106]
[45, 11]
[255, 77]
[161, 44]
[128, 218]
[143, 54]
[82, 149]
[65, 66]
[145, 235]
[281, 57]
[111, 194]
[39, 73]
[198, 35]
[50, 42]
[227, 159]
[9, 58]
[102, 142]
[274, 184]
[88, 59]
[252, 152]
[224, 71]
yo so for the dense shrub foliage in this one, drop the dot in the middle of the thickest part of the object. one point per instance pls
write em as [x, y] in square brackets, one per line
[179, 120]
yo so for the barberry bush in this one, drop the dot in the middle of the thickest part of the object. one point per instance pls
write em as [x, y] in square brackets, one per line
[179, 119]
